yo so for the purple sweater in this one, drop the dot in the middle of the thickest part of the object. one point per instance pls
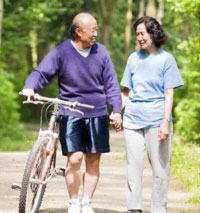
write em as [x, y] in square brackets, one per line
[91, 80]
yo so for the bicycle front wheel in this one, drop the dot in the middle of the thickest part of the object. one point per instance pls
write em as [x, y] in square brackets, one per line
[32, 192]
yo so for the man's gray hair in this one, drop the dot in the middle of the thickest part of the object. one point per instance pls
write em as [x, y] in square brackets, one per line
[72, 30]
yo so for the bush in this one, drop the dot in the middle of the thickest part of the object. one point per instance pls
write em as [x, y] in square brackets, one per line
[10, 126]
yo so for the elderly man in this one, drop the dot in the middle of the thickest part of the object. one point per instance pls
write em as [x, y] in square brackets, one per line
[85, 74]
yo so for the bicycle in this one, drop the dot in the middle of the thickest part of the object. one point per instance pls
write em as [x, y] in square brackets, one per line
[41, 163]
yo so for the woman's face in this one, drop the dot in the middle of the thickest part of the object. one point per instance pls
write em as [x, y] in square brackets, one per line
[144, 38]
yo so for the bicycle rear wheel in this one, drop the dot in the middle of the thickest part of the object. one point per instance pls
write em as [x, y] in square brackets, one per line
[32, 192]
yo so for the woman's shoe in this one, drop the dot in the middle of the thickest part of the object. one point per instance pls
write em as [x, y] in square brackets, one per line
[136, 211]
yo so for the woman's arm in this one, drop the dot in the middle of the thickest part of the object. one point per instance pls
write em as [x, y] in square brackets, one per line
[124, 94]
[164, 127]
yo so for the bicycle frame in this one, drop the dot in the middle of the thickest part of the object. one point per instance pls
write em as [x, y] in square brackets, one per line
[51, 138]
[50, 150]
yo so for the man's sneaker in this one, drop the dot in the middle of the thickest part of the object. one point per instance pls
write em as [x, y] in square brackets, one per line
[74, 206]
[87, 206]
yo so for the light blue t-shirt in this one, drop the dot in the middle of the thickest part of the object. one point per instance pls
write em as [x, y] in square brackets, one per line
[147, 77]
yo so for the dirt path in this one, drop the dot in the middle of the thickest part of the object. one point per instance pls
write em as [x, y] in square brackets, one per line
[110, 195]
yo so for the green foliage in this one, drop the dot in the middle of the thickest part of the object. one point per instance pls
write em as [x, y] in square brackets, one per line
[186, 167]
[187, 16]
[190, 7]
[10, 126]
[32, 28]
[188, 111]
[117, 49]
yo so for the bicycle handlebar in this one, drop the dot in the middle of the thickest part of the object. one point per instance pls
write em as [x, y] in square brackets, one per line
[72, 105]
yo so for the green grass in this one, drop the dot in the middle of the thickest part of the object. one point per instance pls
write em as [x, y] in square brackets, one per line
[186, 167]
[25, 143]
[8, 145]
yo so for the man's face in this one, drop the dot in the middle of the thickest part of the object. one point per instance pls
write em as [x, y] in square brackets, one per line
[88, 33]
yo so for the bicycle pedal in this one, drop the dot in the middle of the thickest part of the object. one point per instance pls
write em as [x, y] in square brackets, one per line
[60, 171]
[16, 186]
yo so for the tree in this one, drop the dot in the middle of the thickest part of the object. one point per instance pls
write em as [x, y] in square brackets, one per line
[160, 13]
[128, 27]
[141, 8]
[151, 8]
[106, 10]
[1, 20]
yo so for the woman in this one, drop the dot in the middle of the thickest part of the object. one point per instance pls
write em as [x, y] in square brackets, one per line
[150, 76]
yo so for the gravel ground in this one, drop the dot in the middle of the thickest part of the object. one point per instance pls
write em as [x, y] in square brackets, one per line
[110, 196]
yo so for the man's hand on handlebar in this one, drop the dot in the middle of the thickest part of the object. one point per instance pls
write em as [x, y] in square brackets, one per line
[28, 93]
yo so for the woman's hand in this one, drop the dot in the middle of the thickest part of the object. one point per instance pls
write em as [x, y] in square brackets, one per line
[163, 131]
[116, 120]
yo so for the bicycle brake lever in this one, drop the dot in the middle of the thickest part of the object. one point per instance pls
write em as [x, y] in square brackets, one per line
[33, 102]
[74, 110]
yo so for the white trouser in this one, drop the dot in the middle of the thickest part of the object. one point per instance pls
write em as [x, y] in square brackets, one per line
[159, 155]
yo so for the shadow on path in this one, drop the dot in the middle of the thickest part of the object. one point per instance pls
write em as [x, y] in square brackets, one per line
[65, 211]
[53, 210]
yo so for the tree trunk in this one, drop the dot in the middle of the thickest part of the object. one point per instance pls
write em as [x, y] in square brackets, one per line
[29, 58]
[187, 30]
[141, 8]
[34, 41]
[129, 16]
[151, 8]
[1, 20]
[160, 13]
[106, 12]
[140, 14]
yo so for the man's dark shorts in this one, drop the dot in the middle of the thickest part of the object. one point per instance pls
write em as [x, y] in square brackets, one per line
[89, 135]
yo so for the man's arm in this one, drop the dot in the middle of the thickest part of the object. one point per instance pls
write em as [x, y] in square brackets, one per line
[113, 93]
[111, 86]
[42, 75]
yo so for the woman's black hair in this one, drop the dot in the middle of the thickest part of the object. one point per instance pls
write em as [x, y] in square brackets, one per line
[155, 30]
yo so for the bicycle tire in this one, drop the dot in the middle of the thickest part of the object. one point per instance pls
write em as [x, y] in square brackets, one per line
[37, 191]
